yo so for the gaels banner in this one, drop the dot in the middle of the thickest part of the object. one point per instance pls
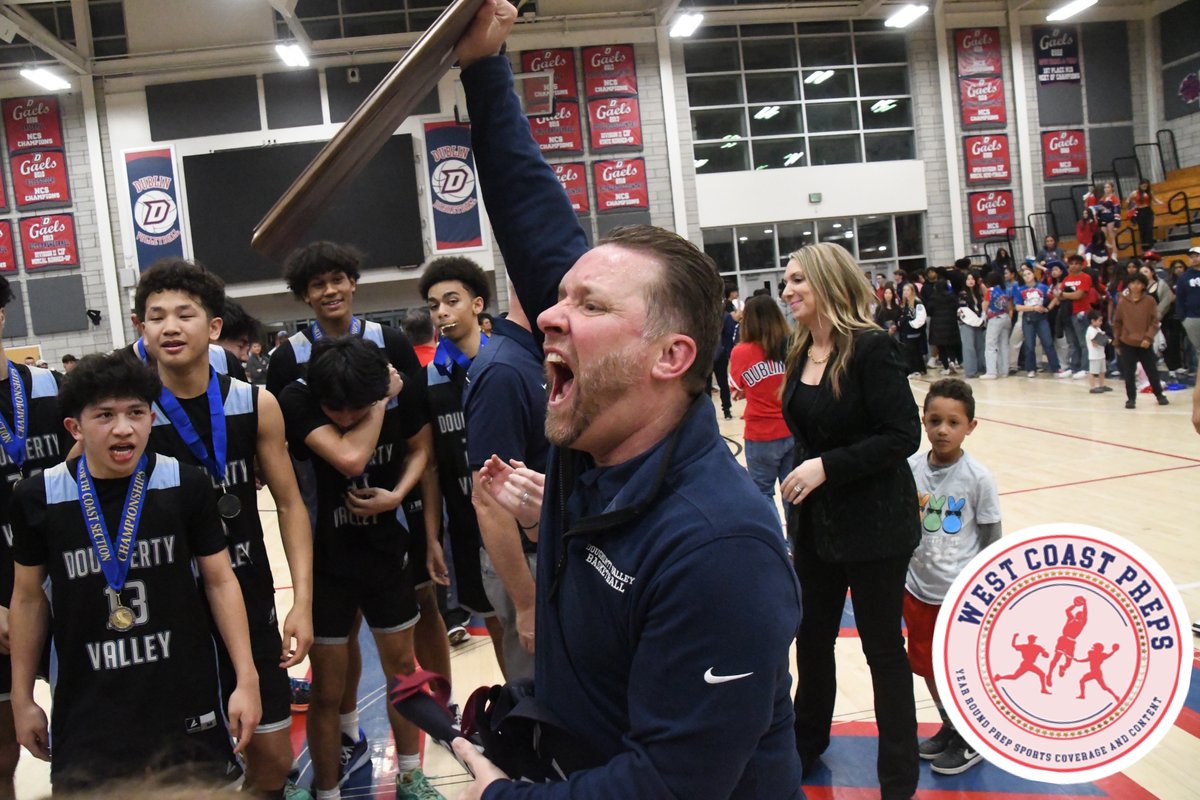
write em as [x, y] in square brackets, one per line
[982, 101]
[8, 256]
[561, 132]
[615, 124]
[987, 158]
[32, 123]
[621, 184]
[40, 179]
[562, 62]
[1064, 154]
[573, 177]
[1056, 54]
[453, 191]
[991, 213]
[978, 51]
[157, 226]
[609, 71]
[48, 242]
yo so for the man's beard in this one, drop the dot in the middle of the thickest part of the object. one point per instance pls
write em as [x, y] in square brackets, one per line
[596, 388]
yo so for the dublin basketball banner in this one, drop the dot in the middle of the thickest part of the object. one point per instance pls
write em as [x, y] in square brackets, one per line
[157, 227]
[452, 189]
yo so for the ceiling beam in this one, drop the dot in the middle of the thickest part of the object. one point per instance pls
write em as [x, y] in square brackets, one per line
[868, 7]
[38, 36]
[287, 10]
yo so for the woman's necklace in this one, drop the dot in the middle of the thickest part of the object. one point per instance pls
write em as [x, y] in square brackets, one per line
[821, 360]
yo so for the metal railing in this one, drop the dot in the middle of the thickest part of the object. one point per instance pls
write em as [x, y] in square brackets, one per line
[1048, 227]
[1065, 213]
[1178, 203]
[1126, 179]
[1012, 237]
[1170, 154]
[1101, 177]
[1128, 237]
[1150, 161]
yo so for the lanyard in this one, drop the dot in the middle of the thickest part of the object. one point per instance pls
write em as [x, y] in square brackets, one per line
[448, 354]
[215, 463]
[318, 333]
[114, 557]
[13, 439]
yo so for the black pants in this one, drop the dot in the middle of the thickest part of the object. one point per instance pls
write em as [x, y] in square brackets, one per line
[1173, 332]
[721, 373]
[1145, 225]
[877, 592]
[1129, 357]
[914, 352]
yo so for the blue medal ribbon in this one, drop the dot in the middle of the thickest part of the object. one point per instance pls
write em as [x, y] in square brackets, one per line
[13, 439]
[214, 462]
[139, 350]
[113, 556]
[318, 333]
[448, 354]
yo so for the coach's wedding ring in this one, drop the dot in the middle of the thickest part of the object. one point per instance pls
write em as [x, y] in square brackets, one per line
[525, 498]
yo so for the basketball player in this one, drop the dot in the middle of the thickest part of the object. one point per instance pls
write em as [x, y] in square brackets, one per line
[368, 442]
[33, 439]
[122, 536]
[1064, 648]
[224, 425]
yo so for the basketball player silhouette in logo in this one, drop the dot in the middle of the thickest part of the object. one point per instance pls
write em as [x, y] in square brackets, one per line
[1030, 652]
[1064, 648]
[1095, 657]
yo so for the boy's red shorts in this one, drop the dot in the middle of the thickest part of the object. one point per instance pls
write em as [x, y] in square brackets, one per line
[920, 617]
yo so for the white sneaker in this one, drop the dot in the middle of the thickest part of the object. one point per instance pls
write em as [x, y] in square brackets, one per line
[944, 372]
[1063, 373]
[987, 377]
[1030, 374]
[1079, 375]
[912, 375]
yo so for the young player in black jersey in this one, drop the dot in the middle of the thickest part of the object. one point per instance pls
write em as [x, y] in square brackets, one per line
[324, 276]
[123, 535]
[223, 425]
[367, 435]
[456, 290]
[32, 439]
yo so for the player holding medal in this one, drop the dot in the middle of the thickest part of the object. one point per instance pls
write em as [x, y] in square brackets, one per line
[122, 535]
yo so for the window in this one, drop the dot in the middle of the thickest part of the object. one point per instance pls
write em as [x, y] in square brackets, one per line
[108, 30]
[783, 95]
[335, 19]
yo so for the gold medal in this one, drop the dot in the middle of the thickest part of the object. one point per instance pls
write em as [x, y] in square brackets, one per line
[121, 618]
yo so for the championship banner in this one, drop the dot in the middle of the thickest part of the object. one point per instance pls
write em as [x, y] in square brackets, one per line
[991, 214]
[609, 71]
[157, 224]
[1056, 54]
[573, 177]
[8, 255]
[32, 123]
[454, 195]
[40, 179]
[562, 62]
[49, 242]
[987, 158]
[978, 52]
[3, 193]
[560, 132]
[615, 124]
[621, 185]
[1064, 154]
[982, 102]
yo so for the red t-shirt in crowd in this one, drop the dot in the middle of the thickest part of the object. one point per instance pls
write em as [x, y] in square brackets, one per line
[425, 353]
[761, 379]
[1081, 282]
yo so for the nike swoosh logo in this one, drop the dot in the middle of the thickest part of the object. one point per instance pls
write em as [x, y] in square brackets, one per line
[709, 677]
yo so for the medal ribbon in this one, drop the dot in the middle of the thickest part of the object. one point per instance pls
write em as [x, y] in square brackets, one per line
[318, 333]
[448, 354]
[114, 557]
[13, 439]
[139, 350]
[214, 463]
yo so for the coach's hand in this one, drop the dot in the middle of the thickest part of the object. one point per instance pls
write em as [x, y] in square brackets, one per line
[488, 31]
[485, 772]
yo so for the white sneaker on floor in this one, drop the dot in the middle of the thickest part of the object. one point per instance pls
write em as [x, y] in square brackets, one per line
[1030, 374]
[1080, 375]
[987, 377]
[1063, 373]
[944, 372]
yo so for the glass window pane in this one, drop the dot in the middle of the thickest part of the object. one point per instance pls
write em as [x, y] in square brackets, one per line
[717, 124]
[718, 243]
[772, 87]
[833, 150]
[887, 112]
[750, 283]
[715, 32]
[711, 57]
[778, 153]
[822, 27]
[721, 157]
[715, 90]
[898, 146]
[914, 265]
[876, 81]
[910, 237]
[883, 49]
[820, 85]
[823, 117]
[776, 120]
[793, 236]
[861, 25]
[316, 8]
[875, 237]
[394, 22]
[775, 29]
[838, 231]
[769, 54]
[756, 247]
[825, 51]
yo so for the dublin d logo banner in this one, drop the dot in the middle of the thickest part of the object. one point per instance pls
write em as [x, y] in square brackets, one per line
[157, 228]
[453, 191]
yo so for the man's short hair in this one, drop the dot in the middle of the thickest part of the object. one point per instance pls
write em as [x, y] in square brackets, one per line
[180, 275]
[953, 389]
[688, 297]
[281, 336]
[1075, 258]
[418, 325]
[237, 324]
[107, 376]
[347, 372]
[1137, 277]
[455, 268]
[6, 292]
[1094, 315]
[69, 359]
[318, 258]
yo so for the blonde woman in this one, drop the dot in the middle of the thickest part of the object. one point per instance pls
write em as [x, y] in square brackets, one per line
[853, 517]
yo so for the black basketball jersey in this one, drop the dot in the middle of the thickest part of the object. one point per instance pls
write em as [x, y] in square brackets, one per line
[345, 543]
[47, 443]
[149, 695]
[450, 449]
[244, 533]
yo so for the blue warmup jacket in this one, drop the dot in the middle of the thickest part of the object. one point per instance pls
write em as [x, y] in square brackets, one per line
[666, 605]
[1187, 295]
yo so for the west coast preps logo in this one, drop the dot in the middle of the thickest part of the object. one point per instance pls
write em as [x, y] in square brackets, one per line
[1062, 653]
